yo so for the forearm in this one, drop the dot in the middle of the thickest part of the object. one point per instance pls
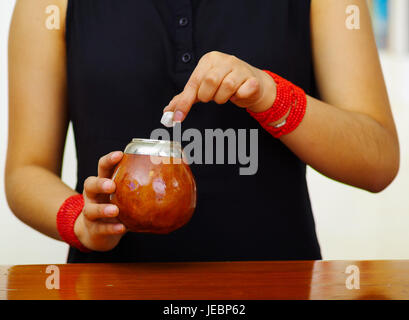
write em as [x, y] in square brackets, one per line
[347, 146]
[34, 195]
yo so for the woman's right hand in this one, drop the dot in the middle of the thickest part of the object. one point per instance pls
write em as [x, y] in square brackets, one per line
[97, 227]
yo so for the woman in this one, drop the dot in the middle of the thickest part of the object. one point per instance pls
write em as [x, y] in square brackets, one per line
[115, 64]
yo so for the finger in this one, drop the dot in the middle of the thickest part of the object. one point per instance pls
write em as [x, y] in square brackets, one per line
[94, 186]
[94, 211]
[229, 86]
[106, 164]
[211, 82]
[248, 92]
[183, 102]
[171, 106]
[109, 228]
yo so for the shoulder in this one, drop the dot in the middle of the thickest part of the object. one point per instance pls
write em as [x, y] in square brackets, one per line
[41, 13]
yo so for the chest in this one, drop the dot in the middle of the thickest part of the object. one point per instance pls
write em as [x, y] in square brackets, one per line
[126, 59]
[148, 37]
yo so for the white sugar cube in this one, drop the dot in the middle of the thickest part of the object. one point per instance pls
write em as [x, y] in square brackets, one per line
[167, 119]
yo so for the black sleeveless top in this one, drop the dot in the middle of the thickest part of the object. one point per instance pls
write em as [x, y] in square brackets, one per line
[126, 59]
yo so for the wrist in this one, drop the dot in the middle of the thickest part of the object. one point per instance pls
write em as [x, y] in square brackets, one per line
[79, 228]
[287, 110]
[68, 224]
[268, 95]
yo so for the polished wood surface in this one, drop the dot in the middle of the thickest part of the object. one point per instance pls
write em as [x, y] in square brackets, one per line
[209, 281]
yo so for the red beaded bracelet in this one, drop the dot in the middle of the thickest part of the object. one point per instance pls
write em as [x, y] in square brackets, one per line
[289, 97]
[66, 217]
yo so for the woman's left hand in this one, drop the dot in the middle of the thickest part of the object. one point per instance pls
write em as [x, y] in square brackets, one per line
[222, 77]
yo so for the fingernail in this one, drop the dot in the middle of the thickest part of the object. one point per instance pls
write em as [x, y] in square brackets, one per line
[178, 116]
[107, 185]
[115, 155]
[118, 228]
[110, 210]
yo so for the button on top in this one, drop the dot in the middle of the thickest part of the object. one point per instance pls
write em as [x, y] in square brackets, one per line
[186, 57]
[183, 21]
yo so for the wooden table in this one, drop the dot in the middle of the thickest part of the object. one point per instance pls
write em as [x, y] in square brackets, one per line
[209, 281]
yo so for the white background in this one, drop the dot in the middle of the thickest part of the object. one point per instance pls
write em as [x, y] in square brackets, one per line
[351, 224]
